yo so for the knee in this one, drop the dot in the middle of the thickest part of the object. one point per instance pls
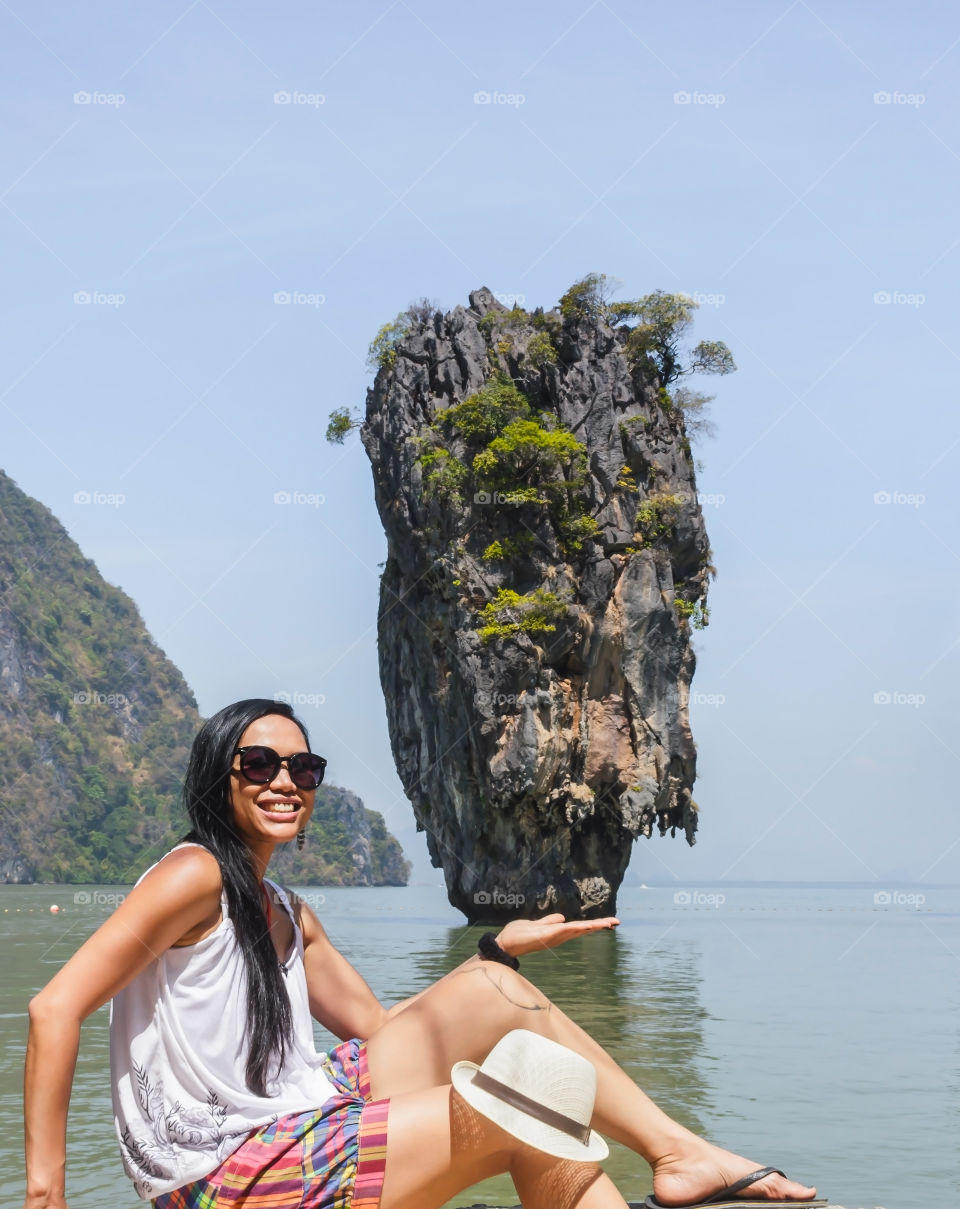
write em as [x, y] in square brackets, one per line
[513, 987]
[541, 1179]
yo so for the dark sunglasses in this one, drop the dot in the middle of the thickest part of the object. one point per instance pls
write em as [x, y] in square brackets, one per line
[261, 764]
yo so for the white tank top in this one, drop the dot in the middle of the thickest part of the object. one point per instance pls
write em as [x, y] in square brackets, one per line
[178, 1055]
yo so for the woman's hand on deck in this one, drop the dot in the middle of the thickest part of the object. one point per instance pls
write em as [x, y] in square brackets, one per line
[528, 935]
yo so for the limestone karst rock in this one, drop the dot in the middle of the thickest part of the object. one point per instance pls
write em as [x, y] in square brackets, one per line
[97, 723]
[547, 555]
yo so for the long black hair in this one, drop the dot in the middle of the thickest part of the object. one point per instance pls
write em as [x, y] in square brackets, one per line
[207, 798]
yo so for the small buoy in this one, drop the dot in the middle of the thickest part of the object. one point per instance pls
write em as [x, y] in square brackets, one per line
[54, 909]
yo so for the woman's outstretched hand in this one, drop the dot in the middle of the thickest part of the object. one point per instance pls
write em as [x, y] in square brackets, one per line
[527, 935]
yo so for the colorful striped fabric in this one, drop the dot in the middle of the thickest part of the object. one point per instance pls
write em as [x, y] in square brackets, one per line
[332, 1157]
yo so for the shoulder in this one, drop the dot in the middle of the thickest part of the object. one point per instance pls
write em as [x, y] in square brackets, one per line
[188, 865]
[185, 875]
[175, 899]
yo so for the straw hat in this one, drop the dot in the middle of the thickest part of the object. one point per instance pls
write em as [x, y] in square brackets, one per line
[537, 1090]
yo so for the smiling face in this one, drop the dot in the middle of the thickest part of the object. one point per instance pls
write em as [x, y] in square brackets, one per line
[267, 815]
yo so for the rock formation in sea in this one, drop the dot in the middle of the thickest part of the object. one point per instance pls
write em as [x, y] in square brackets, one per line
[547, 560]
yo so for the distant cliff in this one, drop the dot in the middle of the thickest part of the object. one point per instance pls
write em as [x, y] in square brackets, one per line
[347, 845]
[547, 558]
[96, 725]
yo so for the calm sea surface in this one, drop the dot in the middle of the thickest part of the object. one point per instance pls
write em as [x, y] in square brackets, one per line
[816, 1029]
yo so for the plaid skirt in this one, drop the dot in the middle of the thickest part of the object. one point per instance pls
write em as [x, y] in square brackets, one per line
[331, 1157]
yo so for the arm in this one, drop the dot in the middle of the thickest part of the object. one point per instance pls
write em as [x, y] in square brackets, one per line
[343, 1002]
[340, 999]
[527, 936]
[176, 898]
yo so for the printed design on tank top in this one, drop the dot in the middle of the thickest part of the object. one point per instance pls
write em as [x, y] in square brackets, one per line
[178, 1125]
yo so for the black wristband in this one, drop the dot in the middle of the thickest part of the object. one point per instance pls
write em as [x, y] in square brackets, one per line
[489, 950]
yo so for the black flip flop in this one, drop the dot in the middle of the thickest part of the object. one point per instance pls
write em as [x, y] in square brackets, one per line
[727, 1197]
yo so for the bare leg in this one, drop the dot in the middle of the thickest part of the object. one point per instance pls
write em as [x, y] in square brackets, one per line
[464, 1015]
[438, 1145]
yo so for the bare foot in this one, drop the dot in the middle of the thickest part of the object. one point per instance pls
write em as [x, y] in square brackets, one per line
[697, 1170]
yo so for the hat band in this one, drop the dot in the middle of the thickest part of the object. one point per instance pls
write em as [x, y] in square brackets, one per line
[533, 1108]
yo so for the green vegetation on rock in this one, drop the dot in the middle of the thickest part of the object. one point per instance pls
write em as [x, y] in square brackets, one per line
[657, 516]
[693, 611]
[342, 421]
[510, 613]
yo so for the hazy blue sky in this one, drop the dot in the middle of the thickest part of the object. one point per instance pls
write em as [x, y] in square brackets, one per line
[796, 164]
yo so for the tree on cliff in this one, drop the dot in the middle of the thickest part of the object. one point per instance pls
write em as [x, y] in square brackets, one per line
[661, 321]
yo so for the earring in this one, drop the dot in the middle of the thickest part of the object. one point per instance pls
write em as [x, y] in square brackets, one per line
[301, 839]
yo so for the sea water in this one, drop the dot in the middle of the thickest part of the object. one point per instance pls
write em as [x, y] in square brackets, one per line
[812, 1028]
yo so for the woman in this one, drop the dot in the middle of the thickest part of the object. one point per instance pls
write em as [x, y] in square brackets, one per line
[219, 1096]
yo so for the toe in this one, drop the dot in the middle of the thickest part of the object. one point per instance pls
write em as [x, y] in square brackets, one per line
[778, 1186]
